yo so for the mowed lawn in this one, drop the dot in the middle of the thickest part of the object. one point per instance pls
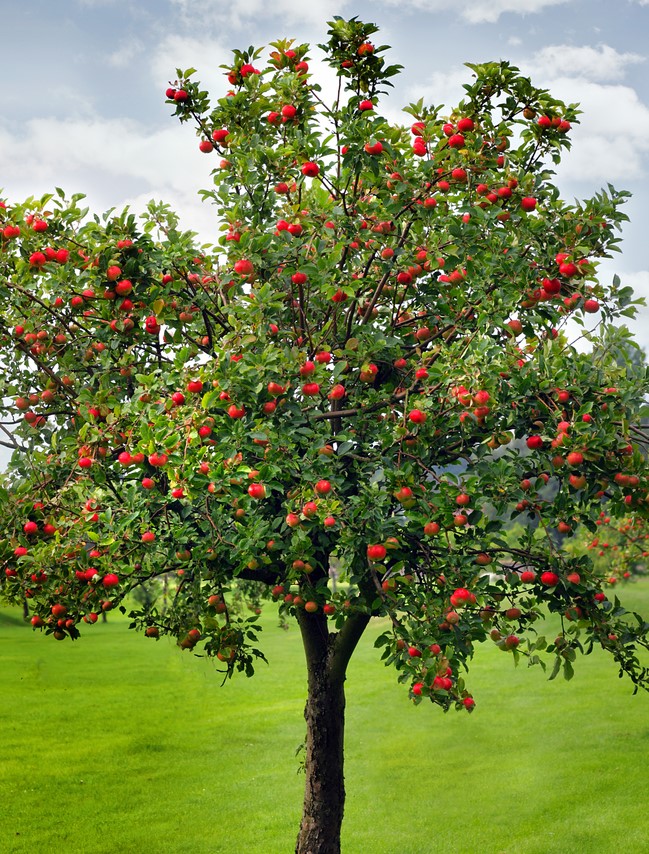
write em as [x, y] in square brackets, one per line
[117, 743]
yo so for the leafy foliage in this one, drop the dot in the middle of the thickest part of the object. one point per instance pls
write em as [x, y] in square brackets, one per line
[368, 376]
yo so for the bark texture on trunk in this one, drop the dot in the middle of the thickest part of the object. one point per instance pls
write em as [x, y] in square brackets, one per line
[324, 796]
[327, 656]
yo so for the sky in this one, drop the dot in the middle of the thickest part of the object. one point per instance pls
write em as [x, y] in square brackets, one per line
[83, 105]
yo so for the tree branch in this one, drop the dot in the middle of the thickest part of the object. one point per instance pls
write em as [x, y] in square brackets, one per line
[346, 642]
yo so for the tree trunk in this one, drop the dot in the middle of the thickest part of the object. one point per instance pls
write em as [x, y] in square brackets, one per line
[327, 656]
[324, 795]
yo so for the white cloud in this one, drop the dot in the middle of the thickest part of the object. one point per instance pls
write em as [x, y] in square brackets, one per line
[442, 88]
[202, 53]
[115, 163]
[479, 11]
[594, 63]
[125, 53]
[110, 159]
[116, 146]
[611, 143]
[213, 15]
[638, 280]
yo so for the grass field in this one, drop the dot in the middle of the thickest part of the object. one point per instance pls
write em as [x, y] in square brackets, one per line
[117, 743]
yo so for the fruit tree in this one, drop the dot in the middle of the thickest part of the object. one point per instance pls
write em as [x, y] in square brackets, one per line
[368, 376]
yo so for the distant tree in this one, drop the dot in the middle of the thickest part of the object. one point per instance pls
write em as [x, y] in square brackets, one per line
[327, 387]
[619, 548]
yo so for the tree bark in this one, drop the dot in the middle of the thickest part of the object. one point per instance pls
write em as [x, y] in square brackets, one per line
[327, 655]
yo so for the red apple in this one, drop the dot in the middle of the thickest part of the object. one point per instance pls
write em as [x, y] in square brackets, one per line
[158, 459]
[568, 269]
[257, 490]
[243, 267]
[374, 148]
[124, 287]
[309, 509]
[337, 392]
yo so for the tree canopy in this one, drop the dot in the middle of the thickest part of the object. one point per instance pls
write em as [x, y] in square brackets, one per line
[367, 377]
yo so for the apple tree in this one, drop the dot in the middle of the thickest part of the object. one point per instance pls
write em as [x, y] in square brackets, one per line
[619, 547]
[369, 374]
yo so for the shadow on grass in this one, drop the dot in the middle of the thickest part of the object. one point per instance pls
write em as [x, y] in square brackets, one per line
[13, 619]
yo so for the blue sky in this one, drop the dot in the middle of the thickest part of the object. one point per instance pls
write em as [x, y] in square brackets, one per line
[83, 92]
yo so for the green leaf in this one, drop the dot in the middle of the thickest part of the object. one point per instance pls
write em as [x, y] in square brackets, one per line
[568, 670]
[556, 667]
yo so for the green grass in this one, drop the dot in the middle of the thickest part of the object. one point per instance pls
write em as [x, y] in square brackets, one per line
[117, 743]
